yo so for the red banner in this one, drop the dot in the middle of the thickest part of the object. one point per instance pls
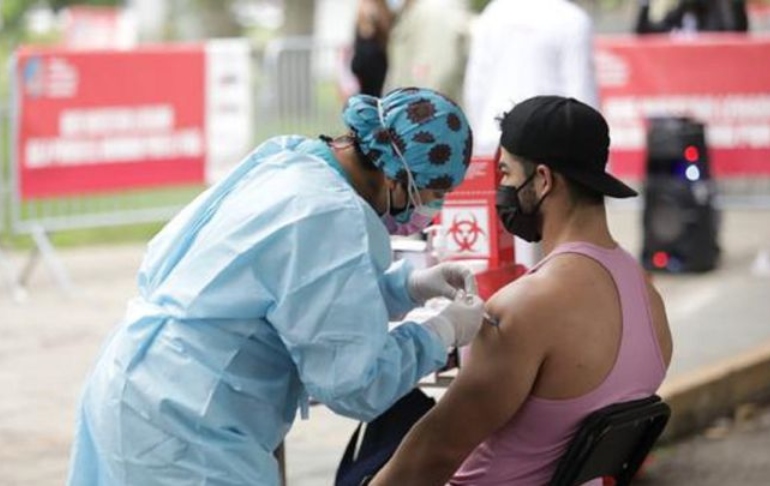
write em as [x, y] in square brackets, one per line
[105, 120]
[719, 80]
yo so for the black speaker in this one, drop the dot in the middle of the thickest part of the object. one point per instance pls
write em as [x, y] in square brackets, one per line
[676, 147]
[680, 221]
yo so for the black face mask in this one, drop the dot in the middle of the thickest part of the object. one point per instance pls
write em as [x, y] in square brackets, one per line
[517, 222]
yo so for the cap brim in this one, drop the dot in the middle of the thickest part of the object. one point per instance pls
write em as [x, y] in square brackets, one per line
[618, 189]
[604, 183]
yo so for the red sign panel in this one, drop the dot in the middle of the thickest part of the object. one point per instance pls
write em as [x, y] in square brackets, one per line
[99, 121]
[469, 220]
[720, 80]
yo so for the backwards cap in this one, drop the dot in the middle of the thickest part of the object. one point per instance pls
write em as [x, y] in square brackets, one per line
[566, 135]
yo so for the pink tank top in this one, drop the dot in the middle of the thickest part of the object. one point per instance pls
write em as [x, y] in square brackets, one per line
[525, 450]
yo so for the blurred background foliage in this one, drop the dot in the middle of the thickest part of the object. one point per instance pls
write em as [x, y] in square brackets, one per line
[14, 11]
[219, 18]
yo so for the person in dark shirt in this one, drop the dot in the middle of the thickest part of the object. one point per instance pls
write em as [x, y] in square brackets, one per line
[370, 59]
[696, 16]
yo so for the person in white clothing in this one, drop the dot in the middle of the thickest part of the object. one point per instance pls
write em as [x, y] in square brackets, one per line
[429, 46]
[520, 49]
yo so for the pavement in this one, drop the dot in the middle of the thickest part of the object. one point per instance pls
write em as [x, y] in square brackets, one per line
[734, 450]
[719, 377]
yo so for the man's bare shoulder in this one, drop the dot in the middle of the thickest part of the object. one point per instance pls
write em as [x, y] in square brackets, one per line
[562, 281]
[521, 298]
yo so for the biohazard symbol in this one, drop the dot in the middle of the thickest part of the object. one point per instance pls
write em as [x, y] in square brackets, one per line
[465, 232]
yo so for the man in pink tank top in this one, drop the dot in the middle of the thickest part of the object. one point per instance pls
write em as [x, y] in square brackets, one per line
[583, 329]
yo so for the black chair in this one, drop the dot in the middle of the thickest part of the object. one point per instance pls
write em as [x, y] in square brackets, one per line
[613, 442]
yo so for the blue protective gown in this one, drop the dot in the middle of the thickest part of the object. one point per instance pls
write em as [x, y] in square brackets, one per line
[273, 285]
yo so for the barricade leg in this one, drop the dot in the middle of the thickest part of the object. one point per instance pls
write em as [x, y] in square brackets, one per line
[6, 271]
[45, 250]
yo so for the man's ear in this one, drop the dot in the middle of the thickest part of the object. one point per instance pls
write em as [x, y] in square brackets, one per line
[545, 182]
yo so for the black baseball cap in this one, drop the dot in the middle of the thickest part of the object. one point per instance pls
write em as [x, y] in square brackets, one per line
[566, 135]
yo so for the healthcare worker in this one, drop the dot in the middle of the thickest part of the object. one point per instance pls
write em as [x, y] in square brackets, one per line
[274, 285]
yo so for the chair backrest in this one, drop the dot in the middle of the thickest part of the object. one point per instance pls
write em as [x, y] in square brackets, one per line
[612, 442]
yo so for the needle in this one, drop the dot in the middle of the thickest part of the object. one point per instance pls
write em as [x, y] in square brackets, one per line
[487, 317]
[491, 320]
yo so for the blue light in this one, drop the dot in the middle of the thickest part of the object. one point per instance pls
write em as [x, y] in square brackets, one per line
[674, 264]
[692, 173]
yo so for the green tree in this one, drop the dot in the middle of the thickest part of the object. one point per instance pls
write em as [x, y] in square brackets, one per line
[478, 5]
[12, 11]
[12, 14]
[201, 19]
[59, 4]
[298, 17]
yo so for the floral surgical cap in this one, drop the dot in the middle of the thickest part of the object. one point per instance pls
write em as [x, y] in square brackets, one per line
[428, 129]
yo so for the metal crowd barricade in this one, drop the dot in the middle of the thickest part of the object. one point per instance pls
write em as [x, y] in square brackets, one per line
[298, 81]
[304, 87]
[7, 272]
[300, 85]
[38, 217]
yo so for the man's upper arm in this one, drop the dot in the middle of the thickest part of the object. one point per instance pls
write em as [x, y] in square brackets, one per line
[499, 373]
[489, 389]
